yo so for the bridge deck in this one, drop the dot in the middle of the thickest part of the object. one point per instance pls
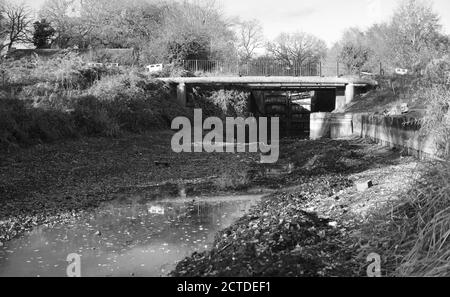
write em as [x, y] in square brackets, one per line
[303, 81]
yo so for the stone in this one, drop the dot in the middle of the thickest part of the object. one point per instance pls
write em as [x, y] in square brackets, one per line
[404, 108]
[333, 224]
[322, 234]
[364, 186]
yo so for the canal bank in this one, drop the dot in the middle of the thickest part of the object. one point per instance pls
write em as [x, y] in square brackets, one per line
[318, 224]
[57, 186]
[401, 132]
[48, 184]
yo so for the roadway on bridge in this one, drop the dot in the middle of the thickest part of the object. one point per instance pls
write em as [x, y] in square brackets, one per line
[282, 81]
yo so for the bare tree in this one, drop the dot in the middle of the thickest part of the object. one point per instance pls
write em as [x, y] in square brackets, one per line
[250, 38]
[353, 51]
[64, 16]
[195, 30]
[116, 23]
[298, 47]
[415, 34]
[17, 25]
[3, 25]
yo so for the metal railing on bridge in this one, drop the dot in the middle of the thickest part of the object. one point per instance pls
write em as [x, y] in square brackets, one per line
[263, 68]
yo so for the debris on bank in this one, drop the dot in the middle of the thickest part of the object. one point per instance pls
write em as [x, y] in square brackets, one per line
[313, 226]
[278, 238]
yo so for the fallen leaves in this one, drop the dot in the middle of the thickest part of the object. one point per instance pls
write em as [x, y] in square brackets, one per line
[281, 236]
[53, 183]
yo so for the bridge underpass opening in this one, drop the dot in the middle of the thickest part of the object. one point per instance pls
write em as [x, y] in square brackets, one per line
[292, 106]
[282, 97]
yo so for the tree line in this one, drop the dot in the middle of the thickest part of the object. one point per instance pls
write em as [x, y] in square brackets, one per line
[159, 30]
[410, 39]
[168, 31]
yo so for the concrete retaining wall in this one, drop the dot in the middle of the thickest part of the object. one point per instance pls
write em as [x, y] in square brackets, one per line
[330, 125]
[320, 126]
[399, 131]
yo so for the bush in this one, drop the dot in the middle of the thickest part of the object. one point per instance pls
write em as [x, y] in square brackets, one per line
[66, 70]
[123, 87]
[437, 120]
[20, 124]
[51, 109]
[222, 103]
[121, 56]
[92, 117]
[137, 102]
[438, 71]
[234, 103]
[173, 70]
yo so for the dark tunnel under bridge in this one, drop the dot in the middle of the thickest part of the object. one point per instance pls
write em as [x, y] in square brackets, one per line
[326, 94]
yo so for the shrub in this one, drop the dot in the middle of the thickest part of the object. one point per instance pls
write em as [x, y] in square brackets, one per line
[53, 109]
[123, 87]
[66, 70]
[120, 56]
[20, 124]
[222, 103]
[437, 120]
[92, 117]
[234, 103]
[137, 102]
[173, 70]
[438, 71]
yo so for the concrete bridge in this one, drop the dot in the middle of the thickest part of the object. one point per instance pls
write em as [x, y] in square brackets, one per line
[330, 93]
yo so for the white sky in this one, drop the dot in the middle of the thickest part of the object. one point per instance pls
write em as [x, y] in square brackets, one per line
[326, 19]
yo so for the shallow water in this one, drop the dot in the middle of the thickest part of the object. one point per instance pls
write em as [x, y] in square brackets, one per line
[125, 238]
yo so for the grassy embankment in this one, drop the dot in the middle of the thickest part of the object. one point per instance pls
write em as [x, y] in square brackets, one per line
[64, 98]
[416, 229]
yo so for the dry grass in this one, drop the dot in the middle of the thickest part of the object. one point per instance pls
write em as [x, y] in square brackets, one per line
[437, 121]
[429, 206]
[418, 228]
[53, 110]
[413, 233]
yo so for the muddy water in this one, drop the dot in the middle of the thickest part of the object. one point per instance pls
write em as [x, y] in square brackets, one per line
[125, 238]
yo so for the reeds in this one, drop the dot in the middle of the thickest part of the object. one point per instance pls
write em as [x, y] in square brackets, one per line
[429, 254]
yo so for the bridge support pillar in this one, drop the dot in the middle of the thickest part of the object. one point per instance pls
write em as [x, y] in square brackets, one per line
[345, 96]
[341, 99]
[349, 93]
[181, 94]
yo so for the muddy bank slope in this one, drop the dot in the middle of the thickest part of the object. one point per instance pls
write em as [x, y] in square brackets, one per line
[314, 226]
[53, 183]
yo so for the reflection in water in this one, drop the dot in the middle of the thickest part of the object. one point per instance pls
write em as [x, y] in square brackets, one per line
[125, 238]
